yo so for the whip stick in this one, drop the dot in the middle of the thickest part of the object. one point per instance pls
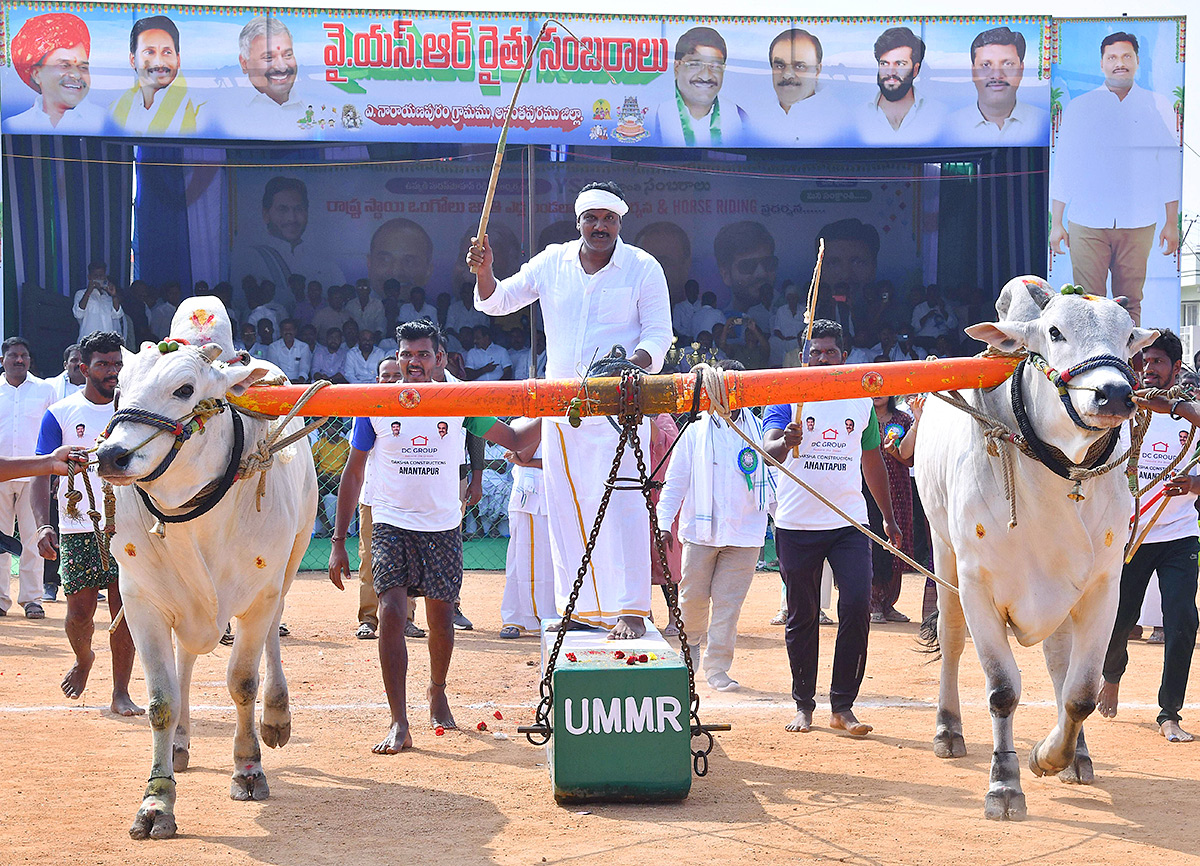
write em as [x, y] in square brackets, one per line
[477, 246]
[810, 317]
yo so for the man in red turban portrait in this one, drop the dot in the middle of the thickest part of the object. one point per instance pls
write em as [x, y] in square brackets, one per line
[50, 54]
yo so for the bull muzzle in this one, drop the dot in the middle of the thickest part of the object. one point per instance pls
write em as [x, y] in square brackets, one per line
[1114, 398]
[112, 461]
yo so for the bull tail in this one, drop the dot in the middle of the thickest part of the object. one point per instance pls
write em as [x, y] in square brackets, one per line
[927, 637]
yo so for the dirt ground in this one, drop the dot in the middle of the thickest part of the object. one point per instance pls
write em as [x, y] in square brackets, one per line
[72, 774]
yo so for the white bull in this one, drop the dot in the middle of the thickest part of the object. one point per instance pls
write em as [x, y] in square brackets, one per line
[229, 559]
[1054, 577]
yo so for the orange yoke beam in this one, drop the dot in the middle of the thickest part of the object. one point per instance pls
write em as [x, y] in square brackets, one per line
[535, 398]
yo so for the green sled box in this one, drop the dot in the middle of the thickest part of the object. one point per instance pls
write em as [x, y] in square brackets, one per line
[621, 731]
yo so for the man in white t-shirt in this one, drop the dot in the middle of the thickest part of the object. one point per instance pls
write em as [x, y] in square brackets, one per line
[487, 362]
[289, 354]
[97, 307]
[834, 454]
[78, 421]
[416, 540]
[1170, 548]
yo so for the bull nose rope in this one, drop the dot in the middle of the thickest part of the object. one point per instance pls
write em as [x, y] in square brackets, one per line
[713, 381]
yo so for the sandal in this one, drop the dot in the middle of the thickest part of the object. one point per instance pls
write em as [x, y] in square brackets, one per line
[366, 631]
[779, 618]
[824, 619]
[509, 632]
[227, 638]
[284, 631]
[411, 629]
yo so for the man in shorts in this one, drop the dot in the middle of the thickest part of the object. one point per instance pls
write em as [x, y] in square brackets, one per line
[416, 541]
[84, 569]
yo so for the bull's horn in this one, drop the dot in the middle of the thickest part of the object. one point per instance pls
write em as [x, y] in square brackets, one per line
[211, 351]
[1039, 290]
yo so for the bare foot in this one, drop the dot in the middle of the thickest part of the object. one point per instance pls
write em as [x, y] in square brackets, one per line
[1106, 701]
[76, 679]
[802, 724]
[627, 628]
[847, 722]
[439, 707]
[397, 740]
[123, 705]
[1174, 734]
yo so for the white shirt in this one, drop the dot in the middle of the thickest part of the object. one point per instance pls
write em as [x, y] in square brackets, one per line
[459, 316]
[1126, 143]
[247, 112]
[937, 324]
[705, 319]
[409, 313]
[493, 354]
[624, 303]
[1026, 124]
[359, 370]
[682, 315]
[63, 386]
[21, 411]
[737, 519]
[830, 461]
[519, 359]
[921, 125]
[327, 364]
[60, 426]
[160, 319]
[296, 361]
[819, 119]
[670, 126]
[270, 258]
[790, 324]
[526, 496]
[263, 312]
[83, 119]
[176, 121]
[98, 315]
[1162, 443]
[370, 316]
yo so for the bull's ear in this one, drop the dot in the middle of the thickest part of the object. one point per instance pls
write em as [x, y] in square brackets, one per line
[239, 377]
[1005, 336]
[1140, 339]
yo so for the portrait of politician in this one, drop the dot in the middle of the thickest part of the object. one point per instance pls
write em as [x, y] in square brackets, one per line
[803, 111]
[849, 266]
[402, 251]
[899, 113]
[50, 53]
[746, 261]
[671, 248]
[997, 117]
[159, 102]
[268, 61]
[1115, 177]
[279, 249]
[696, 116]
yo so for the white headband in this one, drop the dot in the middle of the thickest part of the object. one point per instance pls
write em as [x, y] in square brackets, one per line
[598, 199]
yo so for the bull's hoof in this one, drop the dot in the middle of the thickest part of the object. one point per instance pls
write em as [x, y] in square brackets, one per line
[949, 744]
[152, 823]
[1035, 764]
[1005, 804]
[249, 787]
[179, 758]
[1080, 772]
[275, 735]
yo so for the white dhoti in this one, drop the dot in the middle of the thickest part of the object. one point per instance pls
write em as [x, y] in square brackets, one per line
[1152, 615]
[576, 462]
[529, 573]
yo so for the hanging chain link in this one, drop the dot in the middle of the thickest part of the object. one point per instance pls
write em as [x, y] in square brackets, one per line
[630, 417]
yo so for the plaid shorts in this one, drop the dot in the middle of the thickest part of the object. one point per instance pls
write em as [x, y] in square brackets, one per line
[424, 563]
[80, 566]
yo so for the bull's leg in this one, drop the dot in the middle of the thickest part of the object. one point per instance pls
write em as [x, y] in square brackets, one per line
[1004, 799]
[155, 818]
[276, 725]
[249, 783]
[952, 638]
[1091, 628]
[180, 749]
[1057, 650]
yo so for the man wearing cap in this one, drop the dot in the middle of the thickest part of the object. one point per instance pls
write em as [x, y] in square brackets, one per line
[50, 53]
[596, 292]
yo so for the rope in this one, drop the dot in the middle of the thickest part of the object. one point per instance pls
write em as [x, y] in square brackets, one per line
[718, 397]
[73, 498]
[263, 456]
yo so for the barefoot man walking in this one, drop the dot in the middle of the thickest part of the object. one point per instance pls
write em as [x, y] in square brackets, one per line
[596, 292]
[416, 542]
[77, 421]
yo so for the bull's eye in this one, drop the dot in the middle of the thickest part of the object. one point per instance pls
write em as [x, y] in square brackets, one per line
[1056, 335]
[184, 392]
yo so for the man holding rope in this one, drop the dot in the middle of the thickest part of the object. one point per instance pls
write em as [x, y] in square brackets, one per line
[1169, 547]
[597, 293]
[77, 421]
[834, 460]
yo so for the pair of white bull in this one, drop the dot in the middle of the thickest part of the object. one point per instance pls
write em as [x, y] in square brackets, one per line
[1054, 578]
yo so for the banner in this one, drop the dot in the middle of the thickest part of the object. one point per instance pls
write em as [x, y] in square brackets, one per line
[1116, 161]
[325, 75]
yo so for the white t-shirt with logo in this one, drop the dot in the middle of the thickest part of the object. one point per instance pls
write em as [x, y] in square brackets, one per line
[414, 471]
[78, 422]
[836, 432]
[1164, 439]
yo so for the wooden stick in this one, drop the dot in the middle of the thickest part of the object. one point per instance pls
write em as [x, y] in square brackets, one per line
[1133, 549]
[810, 318]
